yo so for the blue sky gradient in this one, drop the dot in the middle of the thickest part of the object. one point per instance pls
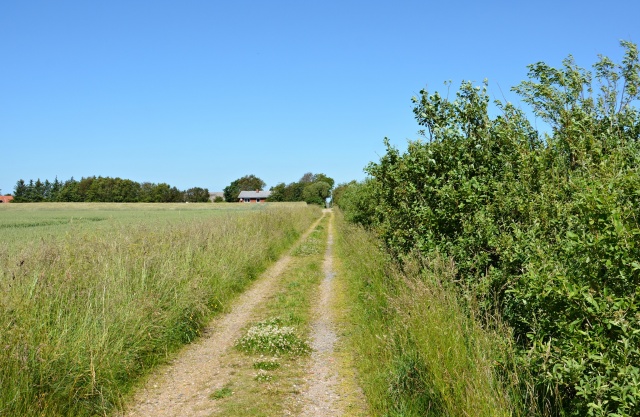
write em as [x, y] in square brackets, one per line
[199, 93]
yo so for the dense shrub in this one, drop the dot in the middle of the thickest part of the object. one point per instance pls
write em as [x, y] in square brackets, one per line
[358, 201]
[543, 228]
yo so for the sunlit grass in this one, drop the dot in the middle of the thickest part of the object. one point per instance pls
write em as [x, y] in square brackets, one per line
[87, 307]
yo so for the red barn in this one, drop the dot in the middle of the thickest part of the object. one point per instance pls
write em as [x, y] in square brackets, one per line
[5, 198]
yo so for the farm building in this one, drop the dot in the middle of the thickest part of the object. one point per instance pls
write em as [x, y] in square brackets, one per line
[256, 196]
[5, 198]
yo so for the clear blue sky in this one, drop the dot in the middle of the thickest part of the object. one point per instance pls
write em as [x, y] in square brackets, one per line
[199, 93]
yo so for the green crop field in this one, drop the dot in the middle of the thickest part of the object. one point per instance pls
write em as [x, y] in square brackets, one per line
[92, 296]
[25, 222]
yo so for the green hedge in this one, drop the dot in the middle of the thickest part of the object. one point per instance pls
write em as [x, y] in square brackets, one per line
[543, 228]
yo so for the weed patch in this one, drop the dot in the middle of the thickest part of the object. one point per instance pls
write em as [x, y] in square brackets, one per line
[311, 246]
[270, 336]
[266, 365]
[221, 393]
[263, 376]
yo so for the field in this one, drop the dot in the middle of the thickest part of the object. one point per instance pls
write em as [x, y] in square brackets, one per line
[26, 222]
[93, 296]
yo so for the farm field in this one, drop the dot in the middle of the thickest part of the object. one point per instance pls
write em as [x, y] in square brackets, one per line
[26, 222]
[93, 296]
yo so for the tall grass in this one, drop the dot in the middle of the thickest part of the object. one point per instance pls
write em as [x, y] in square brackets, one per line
[84, 315]
[420, 350]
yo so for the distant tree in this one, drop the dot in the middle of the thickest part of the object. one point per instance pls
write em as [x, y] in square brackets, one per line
[117, 190]
[175, 196]
[317, 193]
[277, 192]
[104, 189]
[218, 199]
[83, 188]
[70, 191]
[46, 192]
[324, 178]
[196, 195]
[99, 190]
[246, 183]
[155, 193]
[294, 191]
[20, 192]
[38, 191]
[290, 192]
[310, 177]
[311, 188]
[338, 192]
[146, 194]
[54, 190]
[126, 191]
[32, 195]
[164, 193]
[231, 192]
[307, 178]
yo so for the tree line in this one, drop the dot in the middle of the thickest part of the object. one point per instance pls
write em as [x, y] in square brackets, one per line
[311, 189]
[104, 190]
[543, 228]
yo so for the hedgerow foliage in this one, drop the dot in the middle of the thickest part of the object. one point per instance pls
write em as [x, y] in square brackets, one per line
[543, 228]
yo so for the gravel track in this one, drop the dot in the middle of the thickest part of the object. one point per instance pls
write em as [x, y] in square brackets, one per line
[183, 387]
[321, 398]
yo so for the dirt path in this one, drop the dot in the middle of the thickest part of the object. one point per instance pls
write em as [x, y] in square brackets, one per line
[183, 387]
[321, 397]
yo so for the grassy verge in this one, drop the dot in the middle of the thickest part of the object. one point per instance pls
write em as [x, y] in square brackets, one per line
[86, 311]
[418, 349]
[267, 368]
